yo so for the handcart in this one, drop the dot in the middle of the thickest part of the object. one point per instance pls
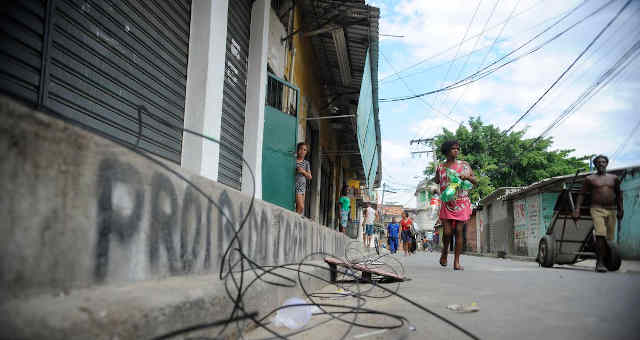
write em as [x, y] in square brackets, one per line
[568, 241]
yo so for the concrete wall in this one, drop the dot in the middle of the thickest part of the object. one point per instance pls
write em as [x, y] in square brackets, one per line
[629, 236]
[472, 233]
[205, 82]
[80, 211]
[277, 54]
[496, 227]
[531, 217]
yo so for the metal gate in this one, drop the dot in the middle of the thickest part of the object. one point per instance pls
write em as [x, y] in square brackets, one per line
[279, 143]
[235, 91]
[98, 62]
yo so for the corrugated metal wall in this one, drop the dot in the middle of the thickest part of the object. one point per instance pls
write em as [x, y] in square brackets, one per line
[629, 236]
[366, 129]
[96, 63]
[21, 46]
[235, 92]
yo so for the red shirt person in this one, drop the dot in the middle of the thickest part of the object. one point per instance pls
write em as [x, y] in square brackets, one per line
[406, 224]
[458, 210]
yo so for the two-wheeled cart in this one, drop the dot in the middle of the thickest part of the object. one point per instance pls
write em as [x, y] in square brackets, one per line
[568, 241]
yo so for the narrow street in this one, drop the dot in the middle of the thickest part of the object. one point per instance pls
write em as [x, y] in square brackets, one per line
[516, 300]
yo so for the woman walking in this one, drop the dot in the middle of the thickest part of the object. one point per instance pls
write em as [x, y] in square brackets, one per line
[303, 173]
[456, 211]
[406, 224]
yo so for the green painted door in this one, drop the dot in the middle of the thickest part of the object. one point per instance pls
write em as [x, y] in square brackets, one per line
[278, 158]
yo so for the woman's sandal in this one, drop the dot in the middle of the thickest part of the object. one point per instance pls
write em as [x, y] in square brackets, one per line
[445, 261]
[459, 267]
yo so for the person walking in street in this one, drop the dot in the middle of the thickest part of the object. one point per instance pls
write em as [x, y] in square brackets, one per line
[392, 232]
[345, 205]
[370, 216]
[606, 206]
[303, 173]
[406, 224]
[456, 211]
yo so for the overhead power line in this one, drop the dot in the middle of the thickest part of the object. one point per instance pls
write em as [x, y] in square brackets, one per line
[487, 70]
[611, 46]
[388, 79]
[483, 59]
[473, 17]
[604, 29]
[424, 102]
[454, 46]
[602, 81]
[626, 141]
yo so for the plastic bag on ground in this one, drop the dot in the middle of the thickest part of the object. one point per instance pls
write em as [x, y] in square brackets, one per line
[464, 308]
[294, 317]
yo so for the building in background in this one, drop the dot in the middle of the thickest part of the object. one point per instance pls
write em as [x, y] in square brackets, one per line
[390, 211]
[427, 205]
[256, 75]
[513, 220]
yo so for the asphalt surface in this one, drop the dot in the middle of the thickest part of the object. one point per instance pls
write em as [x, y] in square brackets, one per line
[516, 300]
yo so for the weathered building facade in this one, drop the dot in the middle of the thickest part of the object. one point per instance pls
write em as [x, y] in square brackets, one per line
[257, 76]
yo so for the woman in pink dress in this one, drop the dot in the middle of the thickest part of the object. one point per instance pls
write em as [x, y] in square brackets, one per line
[457, 211]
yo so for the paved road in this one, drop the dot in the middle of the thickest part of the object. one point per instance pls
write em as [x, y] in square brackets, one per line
[517, 300]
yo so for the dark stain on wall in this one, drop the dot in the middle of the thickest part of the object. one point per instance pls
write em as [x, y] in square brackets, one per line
[163, 198]
[111, 222]
[191, 229]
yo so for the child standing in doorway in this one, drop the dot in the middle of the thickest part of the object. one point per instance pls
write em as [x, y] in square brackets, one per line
[303, 173]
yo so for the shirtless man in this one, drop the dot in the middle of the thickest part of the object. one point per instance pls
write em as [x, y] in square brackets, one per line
[606, 205]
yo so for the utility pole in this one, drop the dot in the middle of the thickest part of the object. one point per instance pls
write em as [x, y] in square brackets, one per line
[426, 142]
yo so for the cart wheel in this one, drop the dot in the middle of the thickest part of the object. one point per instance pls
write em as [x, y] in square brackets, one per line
[546, 251]
[613, 261]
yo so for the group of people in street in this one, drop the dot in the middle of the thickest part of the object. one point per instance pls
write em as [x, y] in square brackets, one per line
[405, 230]
[604, 189]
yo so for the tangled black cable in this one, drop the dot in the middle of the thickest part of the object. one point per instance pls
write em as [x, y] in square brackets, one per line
[236, 286]
[235, 264]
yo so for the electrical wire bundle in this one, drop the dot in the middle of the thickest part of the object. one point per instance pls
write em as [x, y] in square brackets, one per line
[502, 62]
[236, 266]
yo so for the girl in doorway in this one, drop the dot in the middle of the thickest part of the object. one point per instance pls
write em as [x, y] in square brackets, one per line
[457, 211]
[303, 173]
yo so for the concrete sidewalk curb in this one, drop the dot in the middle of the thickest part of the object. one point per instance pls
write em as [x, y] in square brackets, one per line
[144, 310]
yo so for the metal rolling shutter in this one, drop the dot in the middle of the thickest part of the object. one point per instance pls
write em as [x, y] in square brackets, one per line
[234, 97]
[107, 58]
[21, 40]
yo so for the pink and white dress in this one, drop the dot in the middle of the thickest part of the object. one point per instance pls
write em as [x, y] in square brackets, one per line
[458, 208]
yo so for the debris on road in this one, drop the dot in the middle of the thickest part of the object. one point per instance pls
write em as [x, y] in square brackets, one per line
[473, 307]
[293, 316]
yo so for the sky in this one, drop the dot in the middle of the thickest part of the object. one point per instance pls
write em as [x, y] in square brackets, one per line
[444, 41]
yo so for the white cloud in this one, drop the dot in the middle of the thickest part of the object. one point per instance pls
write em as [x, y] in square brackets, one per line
[600, 126]
[393, 151]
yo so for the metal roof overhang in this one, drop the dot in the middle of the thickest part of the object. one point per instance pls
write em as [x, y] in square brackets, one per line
[334, 26]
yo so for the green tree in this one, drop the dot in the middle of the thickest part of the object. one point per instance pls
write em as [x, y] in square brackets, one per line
[506, 160]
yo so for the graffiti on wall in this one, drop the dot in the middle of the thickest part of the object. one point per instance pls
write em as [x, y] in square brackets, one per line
[520, 227]
[182, 231]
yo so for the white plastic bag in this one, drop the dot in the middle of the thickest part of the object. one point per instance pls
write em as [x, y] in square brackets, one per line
[294, 317]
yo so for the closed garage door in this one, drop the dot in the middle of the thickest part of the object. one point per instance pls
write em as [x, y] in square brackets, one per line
[235, 90]
[100, 61]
